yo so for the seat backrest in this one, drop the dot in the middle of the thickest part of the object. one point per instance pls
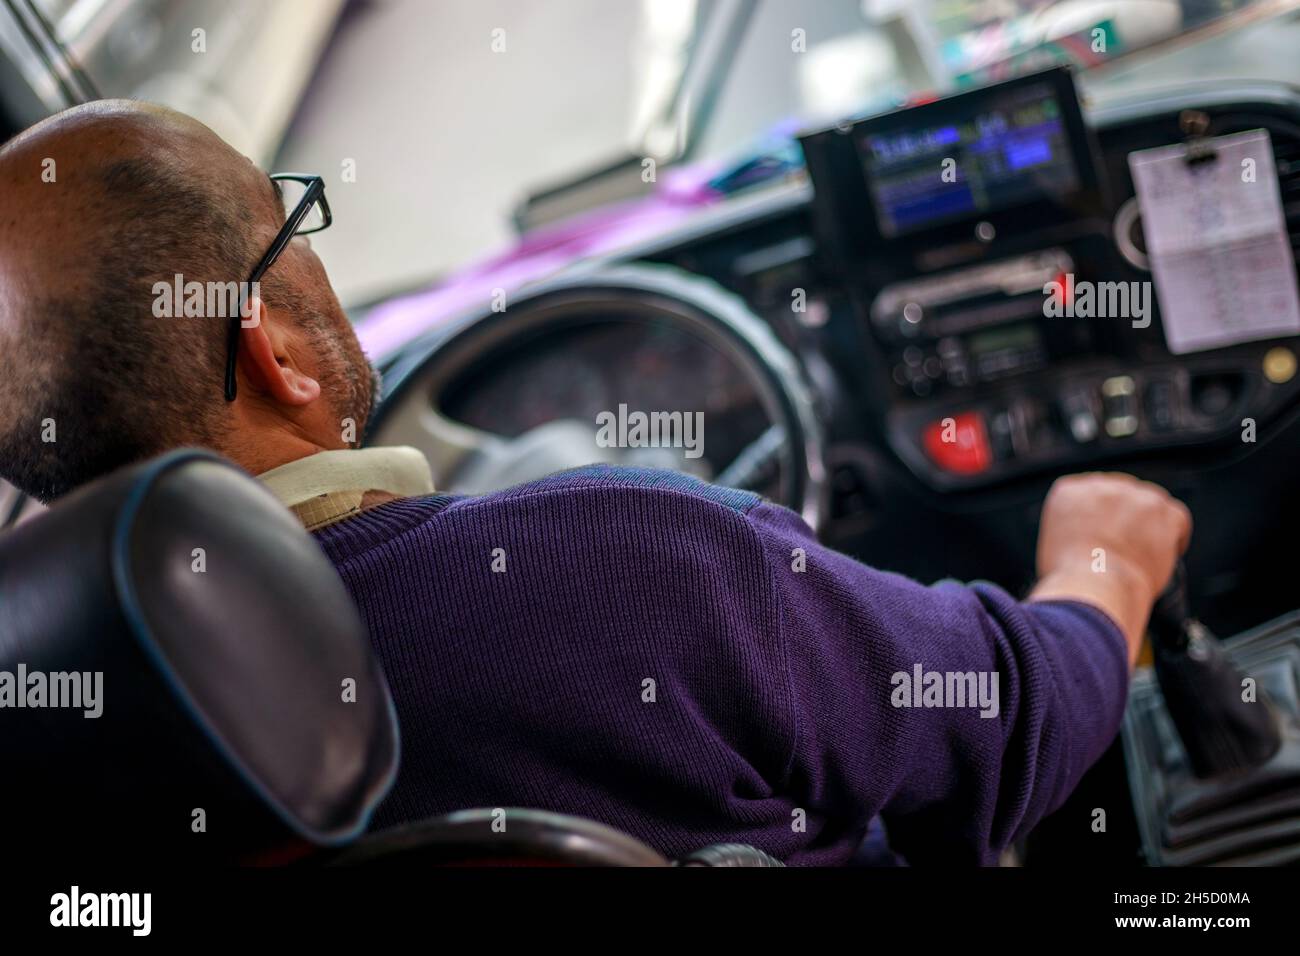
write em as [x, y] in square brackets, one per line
[241, 714]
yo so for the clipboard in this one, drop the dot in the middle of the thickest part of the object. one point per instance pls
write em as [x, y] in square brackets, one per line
[1217, 240]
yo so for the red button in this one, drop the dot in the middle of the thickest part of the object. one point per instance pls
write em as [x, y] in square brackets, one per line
[959, 444]
[1064, 291]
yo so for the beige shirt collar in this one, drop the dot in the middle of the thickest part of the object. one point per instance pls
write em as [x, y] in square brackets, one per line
[329, 486]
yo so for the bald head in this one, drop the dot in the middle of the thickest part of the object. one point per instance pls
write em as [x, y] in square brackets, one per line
[114, 169]
[105, 204]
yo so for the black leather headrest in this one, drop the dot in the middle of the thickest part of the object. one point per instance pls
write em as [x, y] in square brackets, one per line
[242, 712]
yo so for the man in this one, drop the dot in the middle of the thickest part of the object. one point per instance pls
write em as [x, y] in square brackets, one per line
[680, 661]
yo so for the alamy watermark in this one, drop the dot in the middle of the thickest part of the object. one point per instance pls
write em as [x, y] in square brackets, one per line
[624, 429]
[179, 299]
[75, 908]
[75, 690]
[1071, 299]
[951, 689]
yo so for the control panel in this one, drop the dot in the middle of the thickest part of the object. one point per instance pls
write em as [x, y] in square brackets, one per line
[974, 325]
[1012, 328]
[1091, 410]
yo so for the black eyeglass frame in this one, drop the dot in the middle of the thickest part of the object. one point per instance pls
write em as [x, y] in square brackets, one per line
[314, 194]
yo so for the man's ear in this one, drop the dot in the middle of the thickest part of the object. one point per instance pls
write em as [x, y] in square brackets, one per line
[265, 360]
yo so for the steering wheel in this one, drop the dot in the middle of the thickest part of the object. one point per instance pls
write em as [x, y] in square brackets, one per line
[782, 459]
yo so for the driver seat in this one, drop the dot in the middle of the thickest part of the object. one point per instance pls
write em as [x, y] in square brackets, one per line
[186, 675]
[183, 676]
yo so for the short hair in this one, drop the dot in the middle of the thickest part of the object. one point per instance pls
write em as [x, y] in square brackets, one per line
[98, 381]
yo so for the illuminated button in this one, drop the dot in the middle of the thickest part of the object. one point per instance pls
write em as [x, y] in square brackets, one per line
[1121, 426]
[1279, 365]
[959, 444]
[1080, 416]
[1063, 291]
[1083, 425]
[1119, 406]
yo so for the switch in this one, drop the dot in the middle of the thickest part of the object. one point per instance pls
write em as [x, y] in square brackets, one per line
[1000, 439]
[959, 444]
[1083, 426]
[1119, 406]
[1160, 404]
[1080, 414]
[1026, 418]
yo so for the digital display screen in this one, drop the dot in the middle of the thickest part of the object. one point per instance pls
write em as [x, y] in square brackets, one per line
[1007, 147]
[1014, 337]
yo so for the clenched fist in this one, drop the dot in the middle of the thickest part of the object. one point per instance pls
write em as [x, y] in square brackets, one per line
[1112, 541]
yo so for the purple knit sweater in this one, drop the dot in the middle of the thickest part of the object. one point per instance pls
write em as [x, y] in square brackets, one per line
[774, 715]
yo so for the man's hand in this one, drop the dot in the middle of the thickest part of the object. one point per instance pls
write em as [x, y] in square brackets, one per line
[1112, 541]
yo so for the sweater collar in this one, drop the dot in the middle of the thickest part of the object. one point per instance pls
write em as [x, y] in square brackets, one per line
[329, 486]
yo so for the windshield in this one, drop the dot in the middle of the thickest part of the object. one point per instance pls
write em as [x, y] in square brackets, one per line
[811, 63]
[434, 121]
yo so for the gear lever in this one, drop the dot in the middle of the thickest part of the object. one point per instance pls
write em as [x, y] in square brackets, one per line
[1203, 691]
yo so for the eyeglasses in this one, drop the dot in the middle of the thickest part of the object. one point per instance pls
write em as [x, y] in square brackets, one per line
[309, 212]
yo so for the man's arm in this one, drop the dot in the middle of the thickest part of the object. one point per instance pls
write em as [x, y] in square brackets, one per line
[882, 672]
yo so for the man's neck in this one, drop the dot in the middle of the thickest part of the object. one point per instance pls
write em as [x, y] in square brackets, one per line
[263, 436]
[261, 457]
